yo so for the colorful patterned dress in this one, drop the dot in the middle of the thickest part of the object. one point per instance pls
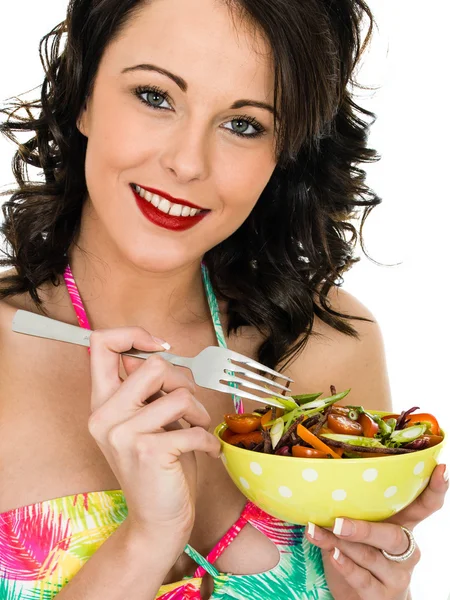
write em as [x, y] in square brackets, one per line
[42, 546]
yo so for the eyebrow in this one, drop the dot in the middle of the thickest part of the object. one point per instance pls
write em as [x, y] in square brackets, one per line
[181, 83]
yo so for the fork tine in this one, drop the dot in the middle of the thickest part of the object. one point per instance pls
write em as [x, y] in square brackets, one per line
[254, 375]
[243, 394]
[256, 365]
[253, 386]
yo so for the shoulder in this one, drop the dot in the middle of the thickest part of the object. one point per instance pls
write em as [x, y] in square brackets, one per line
[11, 344]
[334, 358]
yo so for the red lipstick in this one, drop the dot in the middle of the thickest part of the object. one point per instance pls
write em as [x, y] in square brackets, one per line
[170, 198]
[164, 220]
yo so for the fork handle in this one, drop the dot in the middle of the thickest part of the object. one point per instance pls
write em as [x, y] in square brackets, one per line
[180, 361]
[38, 325]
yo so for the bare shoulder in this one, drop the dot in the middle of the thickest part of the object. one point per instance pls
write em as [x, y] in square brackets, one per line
[334, 358]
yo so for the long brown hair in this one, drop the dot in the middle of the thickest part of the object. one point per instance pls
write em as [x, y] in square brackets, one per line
[276, 270]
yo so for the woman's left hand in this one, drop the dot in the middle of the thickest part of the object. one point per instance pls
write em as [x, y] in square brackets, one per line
[360, 571]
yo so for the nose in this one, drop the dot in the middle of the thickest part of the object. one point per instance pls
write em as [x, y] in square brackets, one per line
[187, 154]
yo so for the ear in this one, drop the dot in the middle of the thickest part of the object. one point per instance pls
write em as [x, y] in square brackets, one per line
[83, 121]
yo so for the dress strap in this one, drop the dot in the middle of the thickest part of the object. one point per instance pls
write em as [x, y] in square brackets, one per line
[205, 565]
[224, 542]
[215, 314]
[76, 299]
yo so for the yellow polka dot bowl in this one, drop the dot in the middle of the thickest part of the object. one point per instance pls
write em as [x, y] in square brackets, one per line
[298, 490]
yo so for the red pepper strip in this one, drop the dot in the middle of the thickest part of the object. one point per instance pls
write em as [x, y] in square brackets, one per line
[314, 441]
[425, 418]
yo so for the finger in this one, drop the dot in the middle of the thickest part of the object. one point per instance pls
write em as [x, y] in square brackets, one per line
[190, 440]
[388, 573]
[106, 346]
[167, 447]
[179, 404]
[384, 536]
[429, 501]
[360, 579]
[155, 374]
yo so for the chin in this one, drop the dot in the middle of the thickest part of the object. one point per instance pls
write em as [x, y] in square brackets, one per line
[162, 259]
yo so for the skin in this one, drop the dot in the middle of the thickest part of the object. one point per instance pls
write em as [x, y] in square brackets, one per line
[187, 149]
[151, 277]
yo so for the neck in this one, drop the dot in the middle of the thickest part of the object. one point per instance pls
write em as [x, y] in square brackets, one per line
[116, 293]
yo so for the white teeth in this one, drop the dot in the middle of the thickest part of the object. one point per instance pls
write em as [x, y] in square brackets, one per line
[156, 200]
[165, 206]
[175, 210]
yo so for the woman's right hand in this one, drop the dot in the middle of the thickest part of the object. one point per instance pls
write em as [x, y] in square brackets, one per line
[137, 429]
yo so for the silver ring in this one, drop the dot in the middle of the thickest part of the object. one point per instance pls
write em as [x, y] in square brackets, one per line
[408, 552]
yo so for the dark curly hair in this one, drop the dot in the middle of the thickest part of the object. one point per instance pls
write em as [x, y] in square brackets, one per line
[276, 270]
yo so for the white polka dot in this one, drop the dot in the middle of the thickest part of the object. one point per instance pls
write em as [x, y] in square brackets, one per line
[256, 468]
[244, 483]
[310, 474]
[285, 491]
[391, 491]
[419, 468]
[224, 458]
[370, 474]
[339, 495]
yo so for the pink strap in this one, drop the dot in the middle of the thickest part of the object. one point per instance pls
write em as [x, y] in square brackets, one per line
[76, 299]
[227, 539]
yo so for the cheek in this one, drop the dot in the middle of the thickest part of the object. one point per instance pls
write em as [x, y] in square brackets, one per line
[242, 182]
[117, 140]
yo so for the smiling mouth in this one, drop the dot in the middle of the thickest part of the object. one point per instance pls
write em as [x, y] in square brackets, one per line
[176, 208]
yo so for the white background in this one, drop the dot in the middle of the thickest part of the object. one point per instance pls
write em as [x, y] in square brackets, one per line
[407, 60]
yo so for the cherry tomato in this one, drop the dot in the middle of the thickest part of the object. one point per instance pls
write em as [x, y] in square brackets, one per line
[267, 417]
[254, 437]
[342, 424]
[304, 452]
[431, 421]
[244, 423]
[370, 428]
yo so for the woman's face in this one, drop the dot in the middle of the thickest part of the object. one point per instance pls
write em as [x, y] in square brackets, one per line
[178, 133]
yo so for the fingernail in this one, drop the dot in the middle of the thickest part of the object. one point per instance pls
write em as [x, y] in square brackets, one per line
[337, 556]
[164, 344]
[314, 531]
[446, 475]
[343, 527]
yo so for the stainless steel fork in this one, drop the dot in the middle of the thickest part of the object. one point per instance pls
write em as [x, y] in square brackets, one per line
[210, 368]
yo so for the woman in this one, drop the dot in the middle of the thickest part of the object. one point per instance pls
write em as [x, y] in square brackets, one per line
[145, 113]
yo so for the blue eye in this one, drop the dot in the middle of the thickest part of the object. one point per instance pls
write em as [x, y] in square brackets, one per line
[243, 125]
[154, 97]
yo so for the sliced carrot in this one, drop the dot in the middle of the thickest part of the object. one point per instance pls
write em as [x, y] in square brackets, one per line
[267, 417]
[314, 441]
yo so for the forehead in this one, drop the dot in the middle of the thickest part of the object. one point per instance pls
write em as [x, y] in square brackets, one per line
[201, 41]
